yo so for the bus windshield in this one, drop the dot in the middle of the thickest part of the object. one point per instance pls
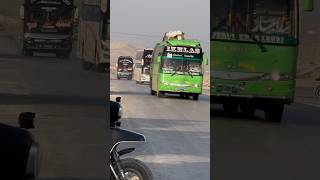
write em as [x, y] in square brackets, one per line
[50, 19]
[181, 67]
[263, 17]
[125, 65]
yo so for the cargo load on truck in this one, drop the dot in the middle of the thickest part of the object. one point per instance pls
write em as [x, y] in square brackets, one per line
[48, 26]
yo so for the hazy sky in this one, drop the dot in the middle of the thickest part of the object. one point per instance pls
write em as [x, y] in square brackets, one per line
[154, 17]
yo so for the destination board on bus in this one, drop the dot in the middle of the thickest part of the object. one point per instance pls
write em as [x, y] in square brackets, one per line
[182, 52]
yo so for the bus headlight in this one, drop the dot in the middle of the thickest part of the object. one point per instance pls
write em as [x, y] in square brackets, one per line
[278, 76]
[196, 85]
[275, 76]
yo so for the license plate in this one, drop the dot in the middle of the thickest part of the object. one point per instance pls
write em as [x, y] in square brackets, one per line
[47, 46]
[231, 89]
[180, 89]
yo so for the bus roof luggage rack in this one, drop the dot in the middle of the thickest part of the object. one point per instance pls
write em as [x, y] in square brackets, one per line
[179, 35]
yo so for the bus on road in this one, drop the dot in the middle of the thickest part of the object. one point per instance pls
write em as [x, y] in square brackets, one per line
[254, 50]
[177, 68]
[94, 35]
[142, 75]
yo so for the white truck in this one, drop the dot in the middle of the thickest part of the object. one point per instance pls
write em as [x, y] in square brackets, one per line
[142, 66]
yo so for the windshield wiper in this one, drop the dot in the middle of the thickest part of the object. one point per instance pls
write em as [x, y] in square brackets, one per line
[259, 43]
[174, 73]
[190, 74]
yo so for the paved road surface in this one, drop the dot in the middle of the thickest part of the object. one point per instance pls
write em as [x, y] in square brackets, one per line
[70, 107]
[177, 131]
[254, 149]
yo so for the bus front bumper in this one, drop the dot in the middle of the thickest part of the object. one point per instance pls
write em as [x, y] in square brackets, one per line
[180, 88]
[124, 74]
[262, 91]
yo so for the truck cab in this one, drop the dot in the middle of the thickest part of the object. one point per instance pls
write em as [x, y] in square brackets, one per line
[48, 26]
[124, 67]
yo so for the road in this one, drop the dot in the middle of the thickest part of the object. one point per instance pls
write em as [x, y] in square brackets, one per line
[71, 116]
[254, 149]
[177, 131]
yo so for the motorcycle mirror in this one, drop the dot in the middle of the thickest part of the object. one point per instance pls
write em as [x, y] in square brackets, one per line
[118, 99]
[26, 120]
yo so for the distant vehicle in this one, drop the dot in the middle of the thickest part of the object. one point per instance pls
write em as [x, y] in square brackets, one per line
[142, 75]
[254, 51]
[94, 27]
[48, 26]
[124, 67]
[137, 68]
[177, 67]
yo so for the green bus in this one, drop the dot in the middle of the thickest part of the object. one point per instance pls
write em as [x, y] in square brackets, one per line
[177, 68]
[254, 50]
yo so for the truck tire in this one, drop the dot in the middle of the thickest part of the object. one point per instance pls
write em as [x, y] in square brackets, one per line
[160, 94]
[152, 92]
[195, 97]
[86, 65]
[27, 52]
[64, 55]
[274, 112]
[101, 67]
[230, 108]
[247, 109]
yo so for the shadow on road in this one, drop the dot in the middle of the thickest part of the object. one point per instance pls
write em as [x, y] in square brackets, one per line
[174, 147]
[129, 93]
[220, 115]
[296, 114]
[13, 99]
[71, 178]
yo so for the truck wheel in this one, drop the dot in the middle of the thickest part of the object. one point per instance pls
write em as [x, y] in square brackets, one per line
[160, 94]
[195, 97]
[274, 112]
[86, 65]
[152, 92]
[247, 109]
[62, 55]
[230, 108]
[28, 52]
[101, 67]
[184, 96]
